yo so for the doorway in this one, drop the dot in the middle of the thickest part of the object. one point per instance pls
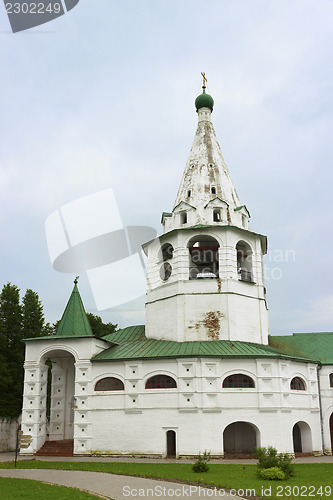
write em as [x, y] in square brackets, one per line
[297, 440]
[239, 437]
[171, 444]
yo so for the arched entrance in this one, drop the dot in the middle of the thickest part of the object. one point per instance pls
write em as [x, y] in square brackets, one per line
[171, 443]
[302, 440]
[297, 441]
[240, 437]
[60, 400]
[331, 431]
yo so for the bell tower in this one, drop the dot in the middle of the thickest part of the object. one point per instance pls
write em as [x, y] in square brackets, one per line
[205, 276]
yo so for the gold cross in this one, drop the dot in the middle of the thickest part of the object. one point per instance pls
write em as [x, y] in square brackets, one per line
[204, 80]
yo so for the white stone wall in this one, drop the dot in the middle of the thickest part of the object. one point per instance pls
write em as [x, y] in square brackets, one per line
[327, 404]
[8, 429]
[135, 421]
[71, 369]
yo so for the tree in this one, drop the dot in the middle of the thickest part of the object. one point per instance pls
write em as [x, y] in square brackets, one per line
[33, 321]
[99, 328]
[17, 321]
[12, 350]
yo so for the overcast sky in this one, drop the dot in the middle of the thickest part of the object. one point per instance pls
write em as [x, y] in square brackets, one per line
[103, 97]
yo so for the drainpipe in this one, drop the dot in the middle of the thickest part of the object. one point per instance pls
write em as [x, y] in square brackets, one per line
[319, 366]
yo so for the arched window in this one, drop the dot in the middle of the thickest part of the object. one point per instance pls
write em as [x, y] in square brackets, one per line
[161, 382]
[109, 384]
[331, 379]
[203, 257]
[166, 252]
[238, 381]
[297, 384]
[217, 215]
[244, 261]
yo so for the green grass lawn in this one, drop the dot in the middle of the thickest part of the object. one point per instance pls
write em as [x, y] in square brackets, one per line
[27, 489]
[306, 483]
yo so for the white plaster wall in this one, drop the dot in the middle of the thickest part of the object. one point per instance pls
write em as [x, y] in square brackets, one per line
[8, 430]
[136, 421]
[34, 421]
[181, 309]
[327, 404]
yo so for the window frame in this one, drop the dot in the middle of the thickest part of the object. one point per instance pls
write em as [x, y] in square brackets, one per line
[161, 376]
[109, 390]
[300, 381]
[239, 375]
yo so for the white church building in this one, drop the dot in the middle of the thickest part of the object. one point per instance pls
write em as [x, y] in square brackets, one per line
[203, 373]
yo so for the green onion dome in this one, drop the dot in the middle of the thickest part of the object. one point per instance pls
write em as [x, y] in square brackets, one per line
[204, 101]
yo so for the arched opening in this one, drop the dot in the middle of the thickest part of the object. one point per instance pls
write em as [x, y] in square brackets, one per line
[60, 401]
[297, 441]
[238, 380]
[331, 431]
[109, 384]
[297, 384]
[244, 261]
[171, 444]
[302, 441]
[166, 252]
[203, 257]
[240, 437]
[161, 382]
[217, 215]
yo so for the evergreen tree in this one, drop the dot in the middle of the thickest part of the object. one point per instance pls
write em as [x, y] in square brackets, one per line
[12, 349]
[99, 328]
[33, 320]
[17, 322]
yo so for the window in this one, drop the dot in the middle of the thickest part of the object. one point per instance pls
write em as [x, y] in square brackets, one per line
[161, 382]
[238, 381]
[331, 379]
[297, 384]
[167, 251]
[213, 190]
[183, 217]
[188, 193]
[109, 384]
[217, 215]
[165, 271]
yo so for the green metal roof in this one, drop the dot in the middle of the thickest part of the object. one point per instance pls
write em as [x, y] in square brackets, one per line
[318, 346]
[132, 344]
[240, 208]
[74, 321]
[128, 334]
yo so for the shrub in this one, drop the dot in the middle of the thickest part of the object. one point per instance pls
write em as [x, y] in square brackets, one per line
[272, 473]
[201, 464]
[269, 457]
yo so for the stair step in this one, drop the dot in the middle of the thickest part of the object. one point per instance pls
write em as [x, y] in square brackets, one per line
[61, 448]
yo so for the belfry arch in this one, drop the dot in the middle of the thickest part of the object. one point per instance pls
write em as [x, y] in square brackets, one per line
[203, 257]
